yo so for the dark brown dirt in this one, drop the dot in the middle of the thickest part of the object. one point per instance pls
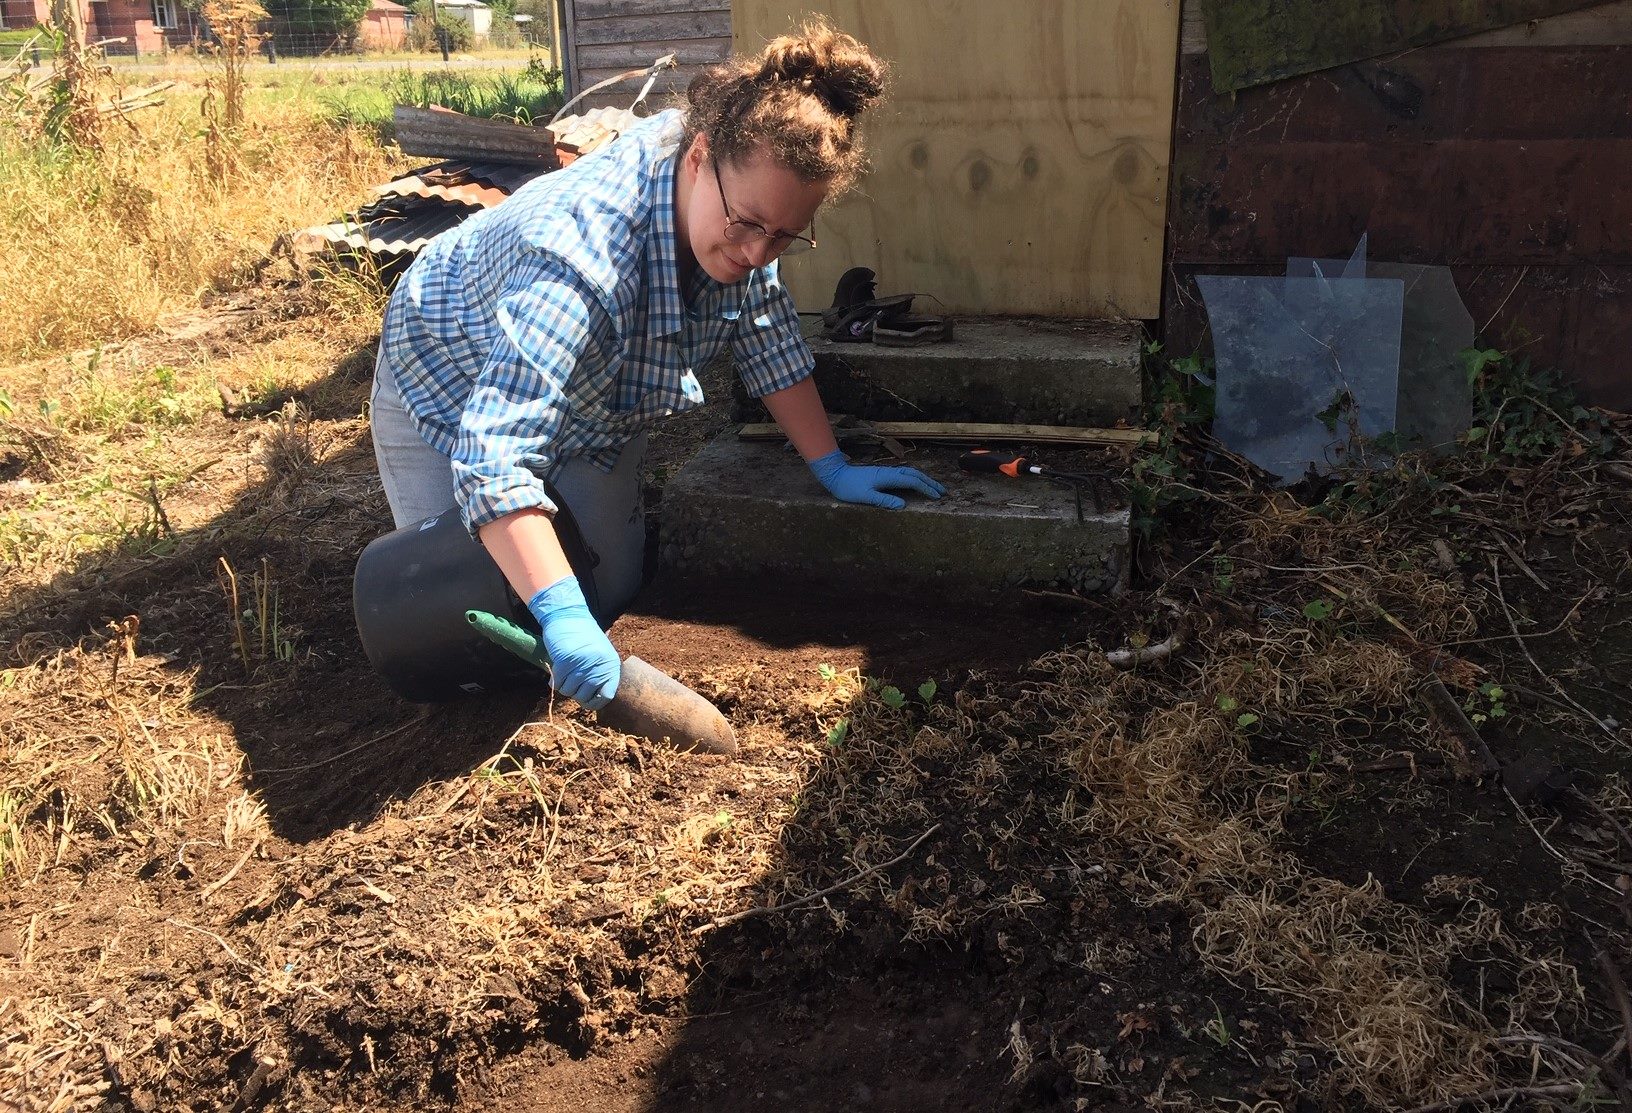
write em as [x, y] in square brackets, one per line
[423, 925]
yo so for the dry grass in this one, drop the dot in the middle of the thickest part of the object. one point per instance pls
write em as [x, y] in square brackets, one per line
[104, 244]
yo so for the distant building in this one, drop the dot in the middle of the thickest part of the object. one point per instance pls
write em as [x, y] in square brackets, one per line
[123, 26]
[473, 12]
[384, 26]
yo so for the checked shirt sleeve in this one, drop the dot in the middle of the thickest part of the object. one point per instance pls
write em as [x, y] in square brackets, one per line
[519, 404]
[769, 351]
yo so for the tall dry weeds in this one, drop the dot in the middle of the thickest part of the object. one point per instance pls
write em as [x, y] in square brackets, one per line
[101, 245]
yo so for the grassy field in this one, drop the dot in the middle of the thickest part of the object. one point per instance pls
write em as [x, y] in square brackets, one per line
[967, 860]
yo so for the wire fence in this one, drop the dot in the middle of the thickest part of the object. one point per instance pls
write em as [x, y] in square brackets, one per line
[459, 28]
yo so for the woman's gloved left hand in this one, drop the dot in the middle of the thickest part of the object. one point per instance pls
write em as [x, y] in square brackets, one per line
[858, 483]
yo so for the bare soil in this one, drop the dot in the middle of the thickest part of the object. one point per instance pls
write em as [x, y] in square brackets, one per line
[1254, 875]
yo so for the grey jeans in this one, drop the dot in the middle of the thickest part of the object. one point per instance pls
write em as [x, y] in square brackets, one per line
[607, 507]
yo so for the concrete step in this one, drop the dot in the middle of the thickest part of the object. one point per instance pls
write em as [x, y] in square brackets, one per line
[748, 508]
[1027, 371]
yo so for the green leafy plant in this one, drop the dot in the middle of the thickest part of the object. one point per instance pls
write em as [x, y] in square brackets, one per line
[827, 672]
[1217, 1029]
[1523, 413]
[1318, 610]
[838, 732]
[1181, 396]
[1488, 703]
[926, 691]
[892, 697]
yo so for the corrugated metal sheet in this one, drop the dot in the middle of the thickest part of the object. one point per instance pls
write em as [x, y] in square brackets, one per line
[410, 211]
[414, 209]
[482, 184]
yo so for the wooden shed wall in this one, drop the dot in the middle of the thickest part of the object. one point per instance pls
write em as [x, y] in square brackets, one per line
[607, 37]
[1506, 156]
[1019, 165]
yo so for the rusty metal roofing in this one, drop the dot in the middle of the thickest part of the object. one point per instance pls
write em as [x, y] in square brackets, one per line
[410, 211]
[390, 234]
[482, 184]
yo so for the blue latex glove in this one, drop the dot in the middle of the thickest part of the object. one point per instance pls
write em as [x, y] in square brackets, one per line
[849, 482]
[583, 664]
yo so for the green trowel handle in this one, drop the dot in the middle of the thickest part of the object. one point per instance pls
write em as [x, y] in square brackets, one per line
[502, 632]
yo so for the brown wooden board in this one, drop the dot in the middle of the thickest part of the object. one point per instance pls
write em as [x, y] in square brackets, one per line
[1020, 163]
[1252, 42]
[1512, 165]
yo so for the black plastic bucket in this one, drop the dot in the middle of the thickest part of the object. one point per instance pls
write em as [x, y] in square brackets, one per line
[410, 594]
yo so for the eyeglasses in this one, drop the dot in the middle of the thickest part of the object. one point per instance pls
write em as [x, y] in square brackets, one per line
[738, 230]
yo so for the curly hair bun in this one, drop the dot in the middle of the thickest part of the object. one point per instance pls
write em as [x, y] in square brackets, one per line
[799, 100]
[828, 64]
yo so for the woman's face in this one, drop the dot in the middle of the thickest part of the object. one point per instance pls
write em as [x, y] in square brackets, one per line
[757, 189]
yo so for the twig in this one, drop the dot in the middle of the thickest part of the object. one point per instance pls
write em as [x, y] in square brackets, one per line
[1573, 1053]
[234, 955]
[1551, 849]
[1617, 987]
[211, 889]
[1563, 1089]
[1511, 291]
[1127, 658]
[1501, 597]
[398, 729]
[737, 917]
[1608, 816]
[1518, 561]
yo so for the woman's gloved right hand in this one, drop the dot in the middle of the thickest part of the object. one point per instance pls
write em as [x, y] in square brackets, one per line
[583, 664]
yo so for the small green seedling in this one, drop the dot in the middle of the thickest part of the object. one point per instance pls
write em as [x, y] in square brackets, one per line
[837, 732]
[827, 672]
[926, 691]
[1488, 704]
[1318, 610]
[892, 697]
[1218, 1029]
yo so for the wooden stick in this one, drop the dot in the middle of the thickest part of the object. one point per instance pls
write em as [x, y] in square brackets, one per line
[970, 431]
[1445, 709]
[1564, 1089]
[1518, 561]
[1501, 597]
[737, 917]
[210, 891]
[1617, 988]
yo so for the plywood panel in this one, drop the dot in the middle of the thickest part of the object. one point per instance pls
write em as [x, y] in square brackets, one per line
[1020, 165]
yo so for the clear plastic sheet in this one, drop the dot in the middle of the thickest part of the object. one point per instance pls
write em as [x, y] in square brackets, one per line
[1315, 365]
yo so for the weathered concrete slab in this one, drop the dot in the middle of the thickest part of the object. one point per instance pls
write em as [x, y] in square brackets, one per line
[752, 508]
[1030, 371]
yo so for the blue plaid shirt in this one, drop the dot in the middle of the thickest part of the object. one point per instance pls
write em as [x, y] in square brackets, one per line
[554, 325]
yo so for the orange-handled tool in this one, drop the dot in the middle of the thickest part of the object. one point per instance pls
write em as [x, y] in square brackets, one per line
[983, 460]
